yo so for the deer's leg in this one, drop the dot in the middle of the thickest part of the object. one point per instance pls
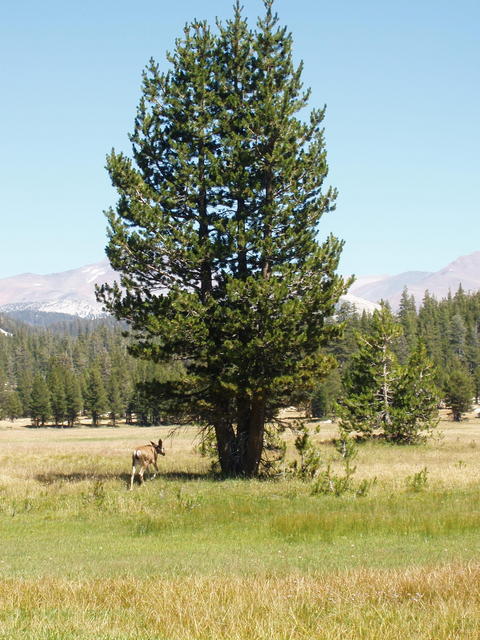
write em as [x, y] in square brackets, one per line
[134, 468]
[142, 471]
[156, 470]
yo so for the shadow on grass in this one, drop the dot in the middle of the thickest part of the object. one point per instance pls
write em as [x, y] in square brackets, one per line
[81, 476]
[77, 476]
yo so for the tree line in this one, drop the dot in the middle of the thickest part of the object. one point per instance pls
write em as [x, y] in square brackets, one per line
[444, 333]
[56, 375]
[53, 376]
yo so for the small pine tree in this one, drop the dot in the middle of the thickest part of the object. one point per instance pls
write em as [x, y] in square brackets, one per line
[457, 334]
[384, 397]
[96, 400]
[371, 379]
[56, 386]
[24, 389]
[40, 408]
[13, 405]
[73, 398]
[416, 399]
[116, 405]
[459, 391]
[429, 328]
[407, 317]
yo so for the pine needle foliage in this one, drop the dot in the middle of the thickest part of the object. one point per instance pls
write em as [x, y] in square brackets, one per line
[383, 397]
[459, 391]
[215, 233]
[40, 407]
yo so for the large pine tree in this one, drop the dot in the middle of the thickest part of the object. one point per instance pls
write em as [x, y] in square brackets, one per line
[215, 234]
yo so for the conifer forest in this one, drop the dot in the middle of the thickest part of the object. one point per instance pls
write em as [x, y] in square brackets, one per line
[83, 369]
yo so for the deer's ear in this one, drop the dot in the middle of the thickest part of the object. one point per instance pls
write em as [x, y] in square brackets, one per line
[153, 443]
[159, 442]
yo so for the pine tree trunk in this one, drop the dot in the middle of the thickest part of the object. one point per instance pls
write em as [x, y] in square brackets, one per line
[254, 445]
[227, 449]
[240, 452]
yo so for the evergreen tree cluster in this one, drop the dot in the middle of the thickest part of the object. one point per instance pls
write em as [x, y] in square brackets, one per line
[384, 397]
[56, 375]
[449, 330]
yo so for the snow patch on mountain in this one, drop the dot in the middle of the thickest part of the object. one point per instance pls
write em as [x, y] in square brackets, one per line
[69, 307]
[94, 273]
[360, 304]
[70, 292]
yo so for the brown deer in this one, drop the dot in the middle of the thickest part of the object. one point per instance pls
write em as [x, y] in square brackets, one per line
[145, 456]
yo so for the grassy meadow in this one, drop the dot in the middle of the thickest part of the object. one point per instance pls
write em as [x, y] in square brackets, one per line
[189, 557]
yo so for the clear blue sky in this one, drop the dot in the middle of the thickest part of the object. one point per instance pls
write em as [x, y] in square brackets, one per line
[400, 80]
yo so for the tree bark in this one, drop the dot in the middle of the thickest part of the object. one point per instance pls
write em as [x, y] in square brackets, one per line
[256, 431]
[227, 449]
[240, 450]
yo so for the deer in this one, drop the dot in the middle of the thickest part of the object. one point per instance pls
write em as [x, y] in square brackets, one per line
[145, 456]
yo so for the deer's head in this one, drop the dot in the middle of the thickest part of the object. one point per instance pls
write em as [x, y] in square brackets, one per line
[158, 447]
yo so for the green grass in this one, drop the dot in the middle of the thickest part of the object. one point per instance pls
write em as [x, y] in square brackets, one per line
[94, 528]
[190, 558]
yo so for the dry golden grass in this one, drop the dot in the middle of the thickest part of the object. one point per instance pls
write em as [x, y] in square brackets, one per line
[186, 558]
[413, 604]
[452, 455]
[103, 452]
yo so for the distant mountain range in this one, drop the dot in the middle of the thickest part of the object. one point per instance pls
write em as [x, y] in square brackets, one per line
[32, 298]
[70, 293]
[463, 271]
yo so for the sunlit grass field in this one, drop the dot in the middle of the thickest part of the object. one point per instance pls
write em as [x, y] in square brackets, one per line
[188, 556]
